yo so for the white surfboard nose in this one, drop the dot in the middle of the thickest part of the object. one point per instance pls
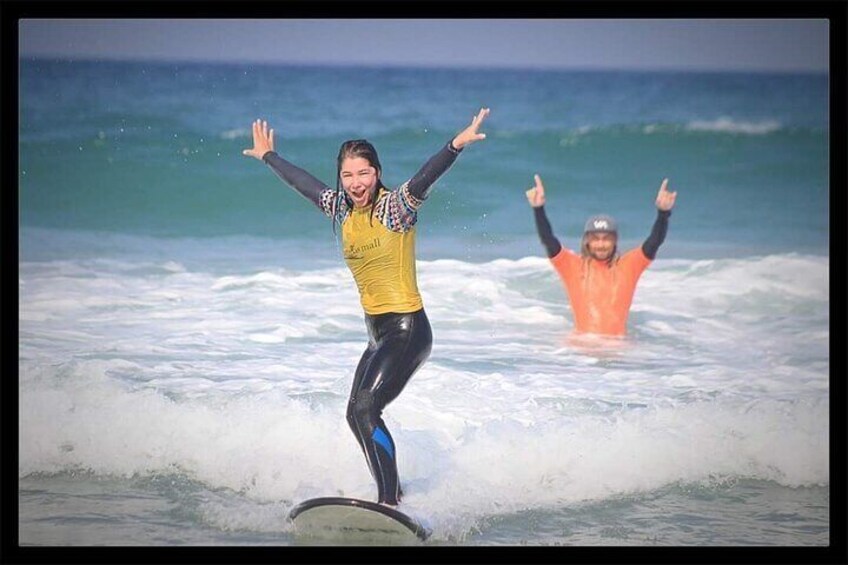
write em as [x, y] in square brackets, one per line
[355, 521]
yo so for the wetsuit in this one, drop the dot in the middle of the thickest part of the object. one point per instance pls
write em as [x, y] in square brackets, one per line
[379, 250]
[601, 292]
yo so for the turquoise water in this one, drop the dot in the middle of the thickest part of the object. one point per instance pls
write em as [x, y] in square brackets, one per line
[188, 330]
[155, 149]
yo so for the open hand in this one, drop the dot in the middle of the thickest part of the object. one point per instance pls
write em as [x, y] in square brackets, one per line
[665, 198]
[470, 134]
[263, 140]
[536, 195]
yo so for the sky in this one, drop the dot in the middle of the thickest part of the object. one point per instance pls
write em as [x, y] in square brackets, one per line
[766, 45]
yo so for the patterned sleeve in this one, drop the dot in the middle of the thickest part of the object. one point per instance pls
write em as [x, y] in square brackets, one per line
[398, 210]
[327, 201]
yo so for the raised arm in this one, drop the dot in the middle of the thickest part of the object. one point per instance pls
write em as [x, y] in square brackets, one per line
[536, 197]
[665, 202]
[263, 149]
[422, 182]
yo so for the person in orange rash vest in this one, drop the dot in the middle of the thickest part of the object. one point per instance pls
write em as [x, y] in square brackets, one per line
[600, 283]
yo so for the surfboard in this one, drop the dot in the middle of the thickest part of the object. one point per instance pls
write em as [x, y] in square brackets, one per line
[351, 520]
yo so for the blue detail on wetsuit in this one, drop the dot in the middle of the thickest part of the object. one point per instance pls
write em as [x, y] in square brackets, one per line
[398, 342]
[381, 438]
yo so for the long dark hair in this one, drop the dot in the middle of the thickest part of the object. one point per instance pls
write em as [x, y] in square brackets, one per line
[354, 148]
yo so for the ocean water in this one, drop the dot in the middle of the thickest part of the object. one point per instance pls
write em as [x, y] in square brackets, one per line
[188, 329]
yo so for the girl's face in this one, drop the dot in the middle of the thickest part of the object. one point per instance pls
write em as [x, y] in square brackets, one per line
[359, 180]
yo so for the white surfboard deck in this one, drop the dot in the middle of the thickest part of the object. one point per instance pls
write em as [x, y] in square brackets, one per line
[351, 520]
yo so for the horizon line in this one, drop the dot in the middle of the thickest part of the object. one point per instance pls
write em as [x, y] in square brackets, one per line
[86, 58]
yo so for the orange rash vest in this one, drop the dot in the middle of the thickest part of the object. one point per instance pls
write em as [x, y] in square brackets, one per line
[600, 294]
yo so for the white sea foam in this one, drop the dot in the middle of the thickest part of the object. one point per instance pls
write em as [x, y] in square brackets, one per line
[241, 381]
[235, 133]
[729, 125]
[722, 124]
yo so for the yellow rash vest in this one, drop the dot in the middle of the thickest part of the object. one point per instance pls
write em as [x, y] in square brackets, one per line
[381, 260]
[379, 250]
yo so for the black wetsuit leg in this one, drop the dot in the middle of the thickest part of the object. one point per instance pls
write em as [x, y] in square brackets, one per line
[398, 344]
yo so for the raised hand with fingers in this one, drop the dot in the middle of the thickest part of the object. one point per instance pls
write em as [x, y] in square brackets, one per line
[665, 198]
[263, 140]
[536, 195]
[470, 134]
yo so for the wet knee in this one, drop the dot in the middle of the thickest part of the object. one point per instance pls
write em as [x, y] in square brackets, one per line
[359, 410]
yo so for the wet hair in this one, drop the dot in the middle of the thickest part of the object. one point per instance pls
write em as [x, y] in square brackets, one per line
[352, 149]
